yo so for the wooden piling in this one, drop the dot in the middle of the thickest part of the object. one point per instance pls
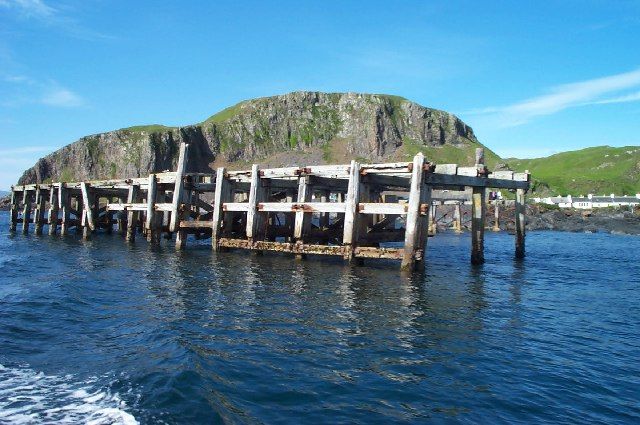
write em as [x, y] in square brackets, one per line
[132, 216]
[302, 220]
[433, 225]
[324, 217]
[351, 215]
[26, 211]
[415, 237]
[178, 188]
[152, 219]
[13, 223]
[256, 222]
[520, 222]
[64, 200]
[222, 195]
[478, 211]
[248, 207]
[38, 215]
[88, 201]
[496, 216]
[52, 218]
[457, 218]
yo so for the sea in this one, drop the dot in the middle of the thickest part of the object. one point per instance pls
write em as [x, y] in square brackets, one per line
[105, 332]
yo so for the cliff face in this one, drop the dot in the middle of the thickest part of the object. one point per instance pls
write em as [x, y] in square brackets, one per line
[302, 128]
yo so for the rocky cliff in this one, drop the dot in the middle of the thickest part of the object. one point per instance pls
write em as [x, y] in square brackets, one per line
[301, 128]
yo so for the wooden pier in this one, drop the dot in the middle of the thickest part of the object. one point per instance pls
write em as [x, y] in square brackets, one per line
[355, 211]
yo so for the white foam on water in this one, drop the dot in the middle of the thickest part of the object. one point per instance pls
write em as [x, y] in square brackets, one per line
[31, 397]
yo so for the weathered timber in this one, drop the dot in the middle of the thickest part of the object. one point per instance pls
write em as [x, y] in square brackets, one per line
[457, 218]
[223, 194]
[64, 200]
[38, 218]
[132, 215]
[414, 226]
[178, 186]
[13, 220]
[358, 207]
[478, 210]
[53, 209]
[88, 200]
[496, 217]
[520, 222]
[350, 236]
[26, 211]
[153, 217]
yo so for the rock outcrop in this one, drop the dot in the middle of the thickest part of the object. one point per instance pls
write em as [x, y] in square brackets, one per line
[296, 128]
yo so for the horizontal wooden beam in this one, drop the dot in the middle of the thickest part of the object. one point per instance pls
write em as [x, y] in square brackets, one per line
[380, 208]
[310, 207]
[235, 206]
[205, 224]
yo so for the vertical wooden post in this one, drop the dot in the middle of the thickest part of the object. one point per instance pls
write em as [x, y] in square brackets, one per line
[423, 219]
[151, 223]
[222, 194]
[478, 214]
[289, 219]
[496, 216]
[53, 210]
[457, 217]
[121, 222]
[252, 208]
[132, 216]
[178, 188]
[38, 217]
[415, 226]
[433, 226]
[324, 217]
[13, 224]
[64, 200]
[364, 220]
[478, 211]
[302, 220]
[108, 217]
[520, 222]
[351, 215]
[88, 201]
[26, 211]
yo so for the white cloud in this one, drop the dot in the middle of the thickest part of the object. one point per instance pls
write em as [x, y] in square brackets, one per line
[38, 10]
[62, 97]
[29, 8]
[633, 97]
[590, 92]
[23, 90]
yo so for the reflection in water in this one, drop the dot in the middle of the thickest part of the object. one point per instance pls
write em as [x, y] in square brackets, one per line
[201, 337]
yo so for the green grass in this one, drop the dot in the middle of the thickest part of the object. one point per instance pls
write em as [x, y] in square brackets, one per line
[598, 170]
[151, 128]
[449, 154]
[224, 115]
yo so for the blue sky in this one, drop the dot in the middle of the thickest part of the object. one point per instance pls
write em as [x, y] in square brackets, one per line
[531, 77]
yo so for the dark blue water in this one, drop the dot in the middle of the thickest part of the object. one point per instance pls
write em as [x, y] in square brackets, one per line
[106, 332]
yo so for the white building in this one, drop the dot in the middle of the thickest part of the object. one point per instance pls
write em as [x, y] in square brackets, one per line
[591, 201]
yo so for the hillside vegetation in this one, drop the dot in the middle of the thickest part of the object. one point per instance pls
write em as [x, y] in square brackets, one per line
[597, 170]
[300, 128]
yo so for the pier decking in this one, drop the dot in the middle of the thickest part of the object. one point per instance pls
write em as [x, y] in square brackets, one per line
[351, 210]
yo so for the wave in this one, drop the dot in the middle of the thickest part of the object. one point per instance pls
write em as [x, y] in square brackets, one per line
[29, 397]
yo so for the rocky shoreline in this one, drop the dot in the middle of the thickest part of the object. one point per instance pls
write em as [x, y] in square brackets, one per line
[605, 220]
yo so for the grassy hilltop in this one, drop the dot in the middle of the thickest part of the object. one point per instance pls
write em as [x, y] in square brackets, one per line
[598, 170]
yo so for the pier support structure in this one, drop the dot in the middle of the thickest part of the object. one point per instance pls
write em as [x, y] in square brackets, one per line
[355, 211]
[520, 222]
